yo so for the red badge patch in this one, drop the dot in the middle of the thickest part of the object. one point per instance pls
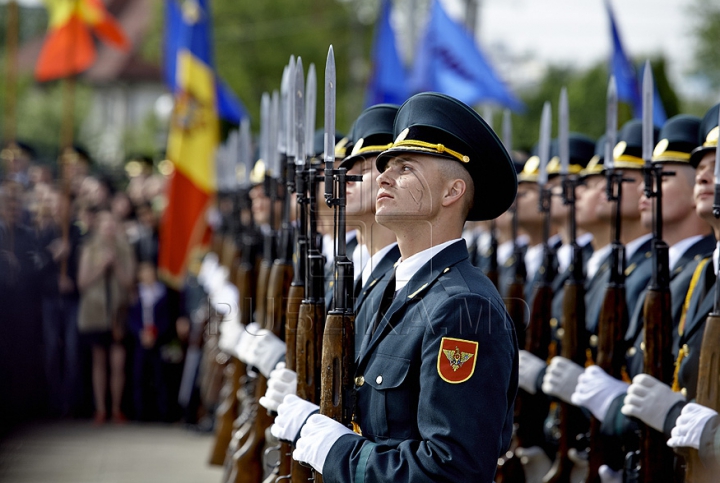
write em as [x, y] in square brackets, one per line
[456, 359]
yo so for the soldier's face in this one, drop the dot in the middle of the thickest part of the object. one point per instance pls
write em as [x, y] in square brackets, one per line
[558, 209]
[704, 191]
[589, 195]
[527, 204]
[260, 205]
[409, 189]
[677, 197]
[361, 195]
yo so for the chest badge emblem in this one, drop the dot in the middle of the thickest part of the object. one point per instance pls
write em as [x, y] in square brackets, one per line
[456, 359]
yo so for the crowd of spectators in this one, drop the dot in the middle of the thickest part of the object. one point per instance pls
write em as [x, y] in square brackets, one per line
[87, 329]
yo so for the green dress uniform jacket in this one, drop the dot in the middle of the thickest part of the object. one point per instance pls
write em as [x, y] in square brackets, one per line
[429, 411]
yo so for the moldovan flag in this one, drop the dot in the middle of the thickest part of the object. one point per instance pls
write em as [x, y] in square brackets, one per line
[194, 136]
[69, 48]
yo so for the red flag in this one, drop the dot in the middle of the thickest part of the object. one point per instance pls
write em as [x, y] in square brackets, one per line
[68, 47]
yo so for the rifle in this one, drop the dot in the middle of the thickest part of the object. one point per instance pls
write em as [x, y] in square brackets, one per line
[708, 387]
[304, 122]
[338, 346]
[228, 410]
[574, 338]
[613, 318]
[491, 271]
[656, 459]
[492, 268]
[254, 278]
[515, 297]
[247, 464]
[509, 467]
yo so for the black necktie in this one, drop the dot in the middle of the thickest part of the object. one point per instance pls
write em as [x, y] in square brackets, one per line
[387, 299]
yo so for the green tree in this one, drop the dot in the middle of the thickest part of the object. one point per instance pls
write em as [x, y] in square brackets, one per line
[587, 90]
[706, 33]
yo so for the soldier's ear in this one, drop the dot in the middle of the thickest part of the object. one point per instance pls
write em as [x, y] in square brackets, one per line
[456, 188]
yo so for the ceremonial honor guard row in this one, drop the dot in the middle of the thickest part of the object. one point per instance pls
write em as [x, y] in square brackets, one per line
[370, 293]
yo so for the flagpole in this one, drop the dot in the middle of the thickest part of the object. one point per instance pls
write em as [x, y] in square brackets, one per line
[13, 33]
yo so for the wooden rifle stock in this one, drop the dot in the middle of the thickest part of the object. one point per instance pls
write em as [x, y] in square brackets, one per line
[612, 326]
[516, 308]
[708, 394]
[229, 409]
[249, 464]
[226, 412]
[240, 464]
[295, 296]
[571, 419]
[656, 459]
[338, 353]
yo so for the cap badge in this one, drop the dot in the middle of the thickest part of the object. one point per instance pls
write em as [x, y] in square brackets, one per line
[619, 149]
[661, 147]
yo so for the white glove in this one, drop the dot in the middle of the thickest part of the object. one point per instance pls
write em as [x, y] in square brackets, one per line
[608, 475]
[561, 378]
[216, 280]
[281, 383]
[292, 414]
[596, 390]
[529, 366]
[316, 438]
[649, 400]
[535, 463]
[266, 350]
[689, 426]
[247, 340]
[230, 333]
[225, 299]
[207, 267]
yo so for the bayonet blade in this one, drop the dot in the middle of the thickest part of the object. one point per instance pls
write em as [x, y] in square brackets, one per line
[507, 130]
[299, 111]
[611, 123]
[563, 128]
[544, 145]
[242, 170]
[265, 131]
[276, 116]
[282, 129]
[329, 122]
[647, 115]
[310, 111]
[289, 114]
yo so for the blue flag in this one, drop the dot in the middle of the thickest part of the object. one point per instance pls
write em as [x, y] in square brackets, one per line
[449, 61]
[176, 36]
[388, 81]
[628, 86]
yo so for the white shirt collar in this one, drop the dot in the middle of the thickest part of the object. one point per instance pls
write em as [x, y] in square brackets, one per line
[632, 247]
[564, 253]
[676, 251]
[360, 257]
[328, 248]
[505, 249]
[533, 259]
[407, 268]
[593, 263]
[374, 261]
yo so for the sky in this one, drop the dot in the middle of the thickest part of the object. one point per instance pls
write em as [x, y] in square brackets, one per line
[577, 33]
